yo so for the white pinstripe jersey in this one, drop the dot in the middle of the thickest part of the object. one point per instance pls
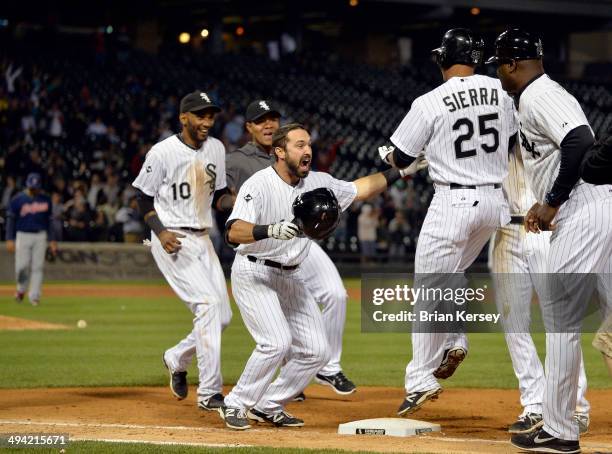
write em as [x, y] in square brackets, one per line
[463, 127]
[265, 198]
[183, 180]
[515, 185]
[547, 113]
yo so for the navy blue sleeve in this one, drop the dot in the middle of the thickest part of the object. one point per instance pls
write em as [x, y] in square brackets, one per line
[11, 215]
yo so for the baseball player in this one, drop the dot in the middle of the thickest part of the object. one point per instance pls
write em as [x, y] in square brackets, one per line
[318, 271]
[276, 306]
[518, 261]
[464, 128]
[555, 136]
[182, 178]
[28, 226]
[596, 167]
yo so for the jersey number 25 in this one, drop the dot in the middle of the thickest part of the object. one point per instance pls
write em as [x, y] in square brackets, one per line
[484, 131]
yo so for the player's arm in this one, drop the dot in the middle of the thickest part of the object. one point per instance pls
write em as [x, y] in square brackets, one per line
[223, 200]
[11, 217]
[243, 232]
[376, 183]
[169, 240]
[597, 164]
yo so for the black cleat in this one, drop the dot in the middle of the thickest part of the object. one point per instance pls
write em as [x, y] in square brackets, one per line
[301, 397]
[526, 423]
[338, 382]
[211, 403]
[414, 401]
[540, 441]
[178, 382]
[235, 418]
[282, 419]
[451, 360]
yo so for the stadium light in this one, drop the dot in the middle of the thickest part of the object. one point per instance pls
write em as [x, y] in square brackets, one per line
[204, 33]
[475, 11]
[240, 30]
[109, 29]
[184, 38]
[353, 2]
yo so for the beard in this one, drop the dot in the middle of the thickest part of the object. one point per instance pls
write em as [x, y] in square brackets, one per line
[294, 169]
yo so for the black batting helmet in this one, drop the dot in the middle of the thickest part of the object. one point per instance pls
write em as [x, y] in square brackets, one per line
[459, 46]
[516, 44]
[316, 212]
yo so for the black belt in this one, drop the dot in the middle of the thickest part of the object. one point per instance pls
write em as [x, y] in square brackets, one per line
[517, 220]
[191, 229]
[272, 264]
[463, 186]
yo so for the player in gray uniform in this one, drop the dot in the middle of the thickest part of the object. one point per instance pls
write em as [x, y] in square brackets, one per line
[28, 227]
[277, 309]
[318, 271]
[554, 137]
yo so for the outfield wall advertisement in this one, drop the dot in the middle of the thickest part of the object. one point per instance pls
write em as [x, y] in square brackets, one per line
[90, 261]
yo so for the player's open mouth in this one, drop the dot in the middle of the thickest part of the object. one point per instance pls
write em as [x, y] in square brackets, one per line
[305, 162]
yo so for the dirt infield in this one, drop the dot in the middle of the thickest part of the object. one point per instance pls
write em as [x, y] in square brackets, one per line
[19, 324]
[472, 420]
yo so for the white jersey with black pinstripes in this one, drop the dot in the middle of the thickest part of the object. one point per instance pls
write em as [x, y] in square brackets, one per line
[183, 180]
[265, 198]
[463, 127]
[547, 113]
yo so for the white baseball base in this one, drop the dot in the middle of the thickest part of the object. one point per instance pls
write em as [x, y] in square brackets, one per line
[394, 427]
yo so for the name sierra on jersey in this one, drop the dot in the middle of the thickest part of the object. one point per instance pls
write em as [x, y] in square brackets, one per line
[471, 97]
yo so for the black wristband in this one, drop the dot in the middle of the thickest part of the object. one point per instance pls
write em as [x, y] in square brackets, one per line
[155, 224]
[260, 232]
[391, 175]
[554, 200]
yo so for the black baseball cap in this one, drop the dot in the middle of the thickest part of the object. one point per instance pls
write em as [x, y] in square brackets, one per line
[516, 44]
[260, 108]
[198, 100]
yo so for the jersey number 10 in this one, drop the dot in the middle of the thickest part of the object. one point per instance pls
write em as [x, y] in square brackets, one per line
[184, 190]
[484, 131]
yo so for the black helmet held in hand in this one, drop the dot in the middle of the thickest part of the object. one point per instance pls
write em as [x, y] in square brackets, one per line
[459, 46]
[317, 213]
[516, 44]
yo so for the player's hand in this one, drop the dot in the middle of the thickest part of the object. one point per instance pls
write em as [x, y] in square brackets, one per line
[283, 230]
[53, 248]
[539, 218]
[419, 163]
[10, 246]
[170, 241]
[385, 151]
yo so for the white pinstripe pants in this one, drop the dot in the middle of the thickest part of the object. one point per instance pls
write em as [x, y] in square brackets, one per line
[451, 238]
[285, 323]
[196, 276]
[516, 258]
[582, 243]
[322, 279]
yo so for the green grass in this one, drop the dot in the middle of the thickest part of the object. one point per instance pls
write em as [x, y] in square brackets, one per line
[125, 338]
[77, 447]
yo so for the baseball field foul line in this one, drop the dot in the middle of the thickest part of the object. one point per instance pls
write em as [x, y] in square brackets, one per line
[596, 447]
[146, 442]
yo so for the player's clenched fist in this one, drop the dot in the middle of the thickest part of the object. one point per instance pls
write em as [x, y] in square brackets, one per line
[283, 230]
[170, 241]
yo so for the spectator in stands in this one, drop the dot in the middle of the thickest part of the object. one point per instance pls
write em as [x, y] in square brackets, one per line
[56, 121]
[97, 127]
[112, 188]
[57, 216]
[10, 189]
[96, 186]
[79, 220]
[130, 218]
[366, 232]
[399, 230]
